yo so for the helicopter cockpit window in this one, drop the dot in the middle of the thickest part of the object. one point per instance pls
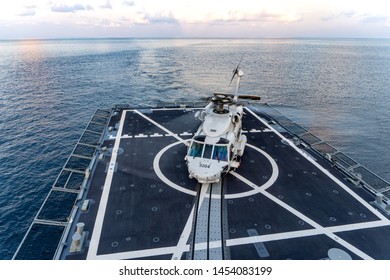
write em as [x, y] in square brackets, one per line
[207, 151]
[196, 149]
[220, 153]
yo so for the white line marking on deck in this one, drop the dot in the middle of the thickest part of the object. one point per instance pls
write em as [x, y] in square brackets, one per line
[139, 253]
[156, 135]
[182, 244]
[185, 133]
[160, 174]
[170, 133]
[256, 189]
[97, 230]
[141, 135]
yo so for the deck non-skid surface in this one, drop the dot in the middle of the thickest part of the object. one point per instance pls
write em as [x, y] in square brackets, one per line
[281, 203]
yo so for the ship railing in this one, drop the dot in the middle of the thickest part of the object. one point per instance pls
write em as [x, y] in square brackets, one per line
[51, 224]
[358, 174]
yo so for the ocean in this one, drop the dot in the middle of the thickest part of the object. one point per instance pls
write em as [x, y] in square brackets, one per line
[339, 89]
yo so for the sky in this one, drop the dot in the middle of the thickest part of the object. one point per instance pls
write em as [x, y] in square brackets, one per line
[45, 19]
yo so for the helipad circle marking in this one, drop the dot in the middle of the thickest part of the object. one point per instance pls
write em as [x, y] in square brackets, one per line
[255, 190]
[156, 166]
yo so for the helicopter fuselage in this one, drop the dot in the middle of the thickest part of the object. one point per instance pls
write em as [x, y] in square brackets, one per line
[218, 144]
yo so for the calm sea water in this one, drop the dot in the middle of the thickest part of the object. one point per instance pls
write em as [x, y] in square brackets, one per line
[339, 89]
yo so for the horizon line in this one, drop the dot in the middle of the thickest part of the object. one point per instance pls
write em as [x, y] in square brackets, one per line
[195, 38]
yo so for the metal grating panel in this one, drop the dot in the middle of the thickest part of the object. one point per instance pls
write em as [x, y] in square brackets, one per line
[98, 127]
[346, 160]
[58, 206]
[324, 148]
[103, 113]
[62, 179]
[90, 138]
[84, 150]
[371, 179]
[294, 128]
[77, 163]
[75, 181]
[310, 138]
[99, 119]
[41, 242]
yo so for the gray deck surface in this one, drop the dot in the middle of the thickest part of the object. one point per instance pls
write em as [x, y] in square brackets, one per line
[283, 202]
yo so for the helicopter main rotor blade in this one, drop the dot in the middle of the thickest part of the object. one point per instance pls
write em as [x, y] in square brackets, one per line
[241, 96]
[249, 96]
[235, 71]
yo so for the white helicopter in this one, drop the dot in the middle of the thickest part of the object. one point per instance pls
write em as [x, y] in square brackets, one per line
[218, 144]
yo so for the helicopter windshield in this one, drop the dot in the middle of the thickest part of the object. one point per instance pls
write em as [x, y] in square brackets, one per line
[196, 149]
[216, 152]
[220, 153]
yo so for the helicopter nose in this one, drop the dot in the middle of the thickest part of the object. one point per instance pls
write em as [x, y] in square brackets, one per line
[205, 177]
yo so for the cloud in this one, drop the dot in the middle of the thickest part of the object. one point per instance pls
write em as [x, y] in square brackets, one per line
[70, 8]
[348, 13]
[375, 19]
[128, 3]
[234, 17]
[343, 14]
[107, 5]
[28, 11]
[161, 19]
[328, 18]
[363, 18]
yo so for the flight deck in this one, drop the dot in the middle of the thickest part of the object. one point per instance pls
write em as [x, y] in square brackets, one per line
[125, 193]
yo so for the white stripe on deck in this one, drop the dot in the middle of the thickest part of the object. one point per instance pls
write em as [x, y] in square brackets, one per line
[170, 133]
[182, 244]
[139, 253]
[97, 229]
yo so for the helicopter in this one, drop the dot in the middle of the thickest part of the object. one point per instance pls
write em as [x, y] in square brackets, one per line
[218, 144]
